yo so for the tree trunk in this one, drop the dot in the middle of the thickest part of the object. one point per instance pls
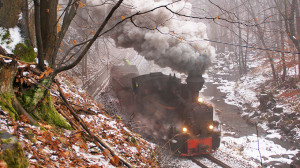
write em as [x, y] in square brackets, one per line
[246, 53]
[48, 20]
[27, 32]
[260, 36]
[282, 48]
[8, 70]
[9, 12]
[297, 6]
[38, 32]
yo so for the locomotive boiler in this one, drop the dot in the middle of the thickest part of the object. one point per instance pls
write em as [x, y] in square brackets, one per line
[172, 111]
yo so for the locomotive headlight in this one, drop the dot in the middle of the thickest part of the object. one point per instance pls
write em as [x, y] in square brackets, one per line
[211, 127]
[200, 99]
[184, 130]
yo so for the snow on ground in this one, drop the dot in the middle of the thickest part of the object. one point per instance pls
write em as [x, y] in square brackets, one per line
[244, 91]
[251, 147]
[9, 38]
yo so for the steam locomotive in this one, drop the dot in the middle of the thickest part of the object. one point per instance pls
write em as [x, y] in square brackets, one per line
[171, 111]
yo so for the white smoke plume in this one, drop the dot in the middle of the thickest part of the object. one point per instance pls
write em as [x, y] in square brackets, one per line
[177, 42]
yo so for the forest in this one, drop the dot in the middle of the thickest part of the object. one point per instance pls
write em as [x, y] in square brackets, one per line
[58, 107]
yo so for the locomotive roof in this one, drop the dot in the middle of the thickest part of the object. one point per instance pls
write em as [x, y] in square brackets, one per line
[153, 76]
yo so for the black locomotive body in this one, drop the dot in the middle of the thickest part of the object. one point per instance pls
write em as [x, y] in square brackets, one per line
[188, 123]
[172, 112]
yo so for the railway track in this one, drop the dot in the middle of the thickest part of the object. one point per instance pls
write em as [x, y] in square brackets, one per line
[212, 159]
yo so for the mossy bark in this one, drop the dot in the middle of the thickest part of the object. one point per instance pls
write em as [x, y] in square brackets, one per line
[6, 104]
[8, 101]
[8, 72]
[36, 100]
[30, 98]
[47, 112]
[12, 151]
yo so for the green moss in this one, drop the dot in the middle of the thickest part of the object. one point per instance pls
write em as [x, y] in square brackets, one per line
[5, 37]
[41, 107]
[5, 141]
[25, 52]
[26, 98]
[42, 128]
[6, 104]
[133, 140]
[118, 118]
[15, 157]
[48, 113]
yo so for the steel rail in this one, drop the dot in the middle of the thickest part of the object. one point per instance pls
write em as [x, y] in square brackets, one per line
[217, 161]
[198, 162]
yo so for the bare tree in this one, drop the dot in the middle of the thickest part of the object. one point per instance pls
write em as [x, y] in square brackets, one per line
[290, 13]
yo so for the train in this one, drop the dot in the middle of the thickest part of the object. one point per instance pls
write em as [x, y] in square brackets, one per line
[172, 112]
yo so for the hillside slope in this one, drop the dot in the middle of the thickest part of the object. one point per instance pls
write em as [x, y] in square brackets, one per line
[96, 140]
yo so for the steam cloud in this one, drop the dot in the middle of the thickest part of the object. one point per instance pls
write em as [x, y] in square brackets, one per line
[177, 44]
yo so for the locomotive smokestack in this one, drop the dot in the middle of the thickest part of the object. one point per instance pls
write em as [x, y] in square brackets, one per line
[195, 83]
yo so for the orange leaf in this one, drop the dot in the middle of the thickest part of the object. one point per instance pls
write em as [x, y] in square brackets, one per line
[58, 28]
[106, 153]
[122, 17]
[115, 160]
[81, 4]
[218, 17]
[3, 163]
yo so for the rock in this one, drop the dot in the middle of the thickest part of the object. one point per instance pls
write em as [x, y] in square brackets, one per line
[284, 128]
[297, 122]
[296, 161]
[3, 51]
[275, 156]
[278, 110]
[273, 118]
[275, 164]
[295, 164]
[271, 125]
[253, 121]
[266, 101]
[254, 114]
[11, 151]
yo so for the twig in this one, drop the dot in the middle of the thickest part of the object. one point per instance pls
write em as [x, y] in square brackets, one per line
[103, 144]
